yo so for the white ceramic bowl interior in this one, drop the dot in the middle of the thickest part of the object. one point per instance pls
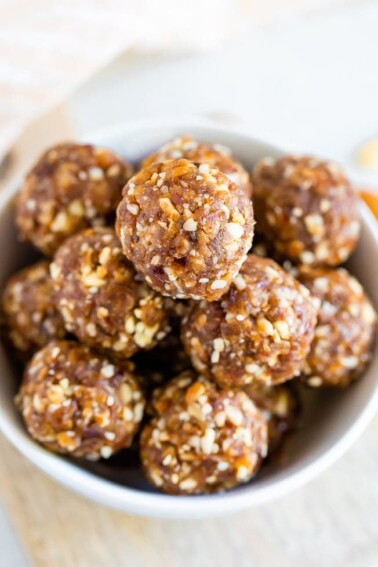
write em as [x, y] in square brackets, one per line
[332, 421]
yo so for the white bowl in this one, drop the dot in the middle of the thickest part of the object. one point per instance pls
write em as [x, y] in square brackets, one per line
[332, 420]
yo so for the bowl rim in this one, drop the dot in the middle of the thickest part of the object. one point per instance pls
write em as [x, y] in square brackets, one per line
[159, 505]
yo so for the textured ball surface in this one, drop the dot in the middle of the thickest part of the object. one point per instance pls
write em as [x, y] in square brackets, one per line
[202, 439]
[259, 332]
[75, 402]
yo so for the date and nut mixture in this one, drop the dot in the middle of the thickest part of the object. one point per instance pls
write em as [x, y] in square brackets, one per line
[216, 155]
[187, 228]
[306, 209]
[101, 297]
[76, 402]
[345, 329]
[260, 331]
[71, 187]
[29, 308]
[202, 439]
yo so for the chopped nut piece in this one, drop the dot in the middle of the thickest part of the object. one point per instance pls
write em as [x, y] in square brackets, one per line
[306, 209]
[235, 230]
[345, 330]
[133, 209]
[268, 322]
[183, 242]
[209, 156]
[190, 225]
[29, 307]
[90, 274]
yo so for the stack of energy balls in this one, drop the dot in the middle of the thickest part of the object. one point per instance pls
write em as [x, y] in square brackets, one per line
[169, 328]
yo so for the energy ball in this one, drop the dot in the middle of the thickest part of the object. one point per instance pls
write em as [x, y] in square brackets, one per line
[306, 209]
[102, 299]
[29, 307]
[187, 228]
[345, 330]
[202, 439]
[259, 332]
[71, 187]
[78, 403]
[215, 155]
[280, 407]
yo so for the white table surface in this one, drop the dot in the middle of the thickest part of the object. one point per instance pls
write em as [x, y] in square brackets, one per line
[310, 85]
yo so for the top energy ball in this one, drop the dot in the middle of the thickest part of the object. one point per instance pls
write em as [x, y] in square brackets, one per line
[216, 156]
[71, 187]
[187, 228]
[307, 210]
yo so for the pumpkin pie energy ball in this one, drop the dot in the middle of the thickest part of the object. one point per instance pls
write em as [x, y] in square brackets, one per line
[307, 209]
[102, 299]
[71, 187]
[202, 439]
[187, 228]
[216, 156]
[30, 310]
[75, 402]
[345, 330]
[280, 407]
[259, 332]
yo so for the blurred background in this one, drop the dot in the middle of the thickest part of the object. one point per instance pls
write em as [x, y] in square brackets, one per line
[298, 73]
[301, 73]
